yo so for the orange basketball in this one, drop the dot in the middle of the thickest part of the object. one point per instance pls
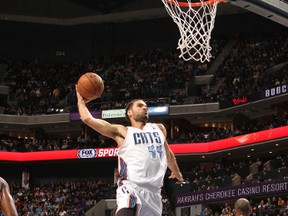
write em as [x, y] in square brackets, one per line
[90, 86]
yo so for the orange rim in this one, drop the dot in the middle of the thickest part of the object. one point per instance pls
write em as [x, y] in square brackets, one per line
[196, 4]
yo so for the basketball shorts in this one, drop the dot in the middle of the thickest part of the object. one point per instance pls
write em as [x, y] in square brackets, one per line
[147, 202]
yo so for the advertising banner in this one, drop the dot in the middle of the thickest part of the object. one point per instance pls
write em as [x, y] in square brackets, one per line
[115, 113]
[267, 93]
[159, 110]
[237, 141]
[271, 92]
[178, 149]
[25, 180]
[59, 154]
[234, 102]
[120, 113]
[233, 192]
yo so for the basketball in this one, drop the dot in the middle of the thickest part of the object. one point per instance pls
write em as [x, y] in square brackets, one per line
[90, 86]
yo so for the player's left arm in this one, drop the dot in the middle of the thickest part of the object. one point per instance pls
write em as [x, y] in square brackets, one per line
[171, 159]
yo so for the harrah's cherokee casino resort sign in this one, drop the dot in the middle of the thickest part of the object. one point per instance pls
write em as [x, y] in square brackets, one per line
[249, 190]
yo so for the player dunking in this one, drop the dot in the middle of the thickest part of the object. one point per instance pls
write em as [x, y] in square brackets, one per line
[143, 158]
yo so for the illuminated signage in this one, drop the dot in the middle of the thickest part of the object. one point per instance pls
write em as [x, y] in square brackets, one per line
[275, 91]
[86, 153]
[178, 149]
[159, 110]
[120, 113]
[242, 100]
[115, 113]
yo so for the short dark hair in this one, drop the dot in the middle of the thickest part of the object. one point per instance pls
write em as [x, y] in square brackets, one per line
[128, 107]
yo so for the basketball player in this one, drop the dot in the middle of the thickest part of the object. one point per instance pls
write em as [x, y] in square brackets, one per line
[6, 201]
[242, 207]
[143, 158]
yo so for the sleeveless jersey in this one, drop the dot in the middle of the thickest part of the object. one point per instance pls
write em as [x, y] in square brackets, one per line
[142, 157]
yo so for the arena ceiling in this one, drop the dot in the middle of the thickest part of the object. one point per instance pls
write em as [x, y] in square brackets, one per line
[72, 12]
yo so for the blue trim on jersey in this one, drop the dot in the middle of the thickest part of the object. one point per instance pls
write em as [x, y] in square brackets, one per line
[132, 201]
[123, 172]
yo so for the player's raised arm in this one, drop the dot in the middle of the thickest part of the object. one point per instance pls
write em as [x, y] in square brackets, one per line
[103, 127]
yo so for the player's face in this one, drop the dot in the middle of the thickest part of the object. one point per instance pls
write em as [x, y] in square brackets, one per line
[140, 111]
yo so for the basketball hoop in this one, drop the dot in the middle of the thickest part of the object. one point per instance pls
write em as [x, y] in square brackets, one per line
[195, 21]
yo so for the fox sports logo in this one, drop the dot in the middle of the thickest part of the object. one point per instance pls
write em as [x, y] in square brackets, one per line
[87, 153]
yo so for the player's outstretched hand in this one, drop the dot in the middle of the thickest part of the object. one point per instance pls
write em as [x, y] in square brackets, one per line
[177, 175]
[81, 99]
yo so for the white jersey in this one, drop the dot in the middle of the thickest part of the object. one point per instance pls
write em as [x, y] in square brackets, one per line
[142, 157]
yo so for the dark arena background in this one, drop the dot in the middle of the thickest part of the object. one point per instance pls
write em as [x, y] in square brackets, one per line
[226, 119]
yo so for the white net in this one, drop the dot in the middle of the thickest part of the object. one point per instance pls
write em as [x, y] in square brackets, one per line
[195, 22]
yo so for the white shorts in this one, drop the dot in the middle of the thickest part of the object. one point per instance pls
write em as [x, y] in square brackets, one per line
[147, 202]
